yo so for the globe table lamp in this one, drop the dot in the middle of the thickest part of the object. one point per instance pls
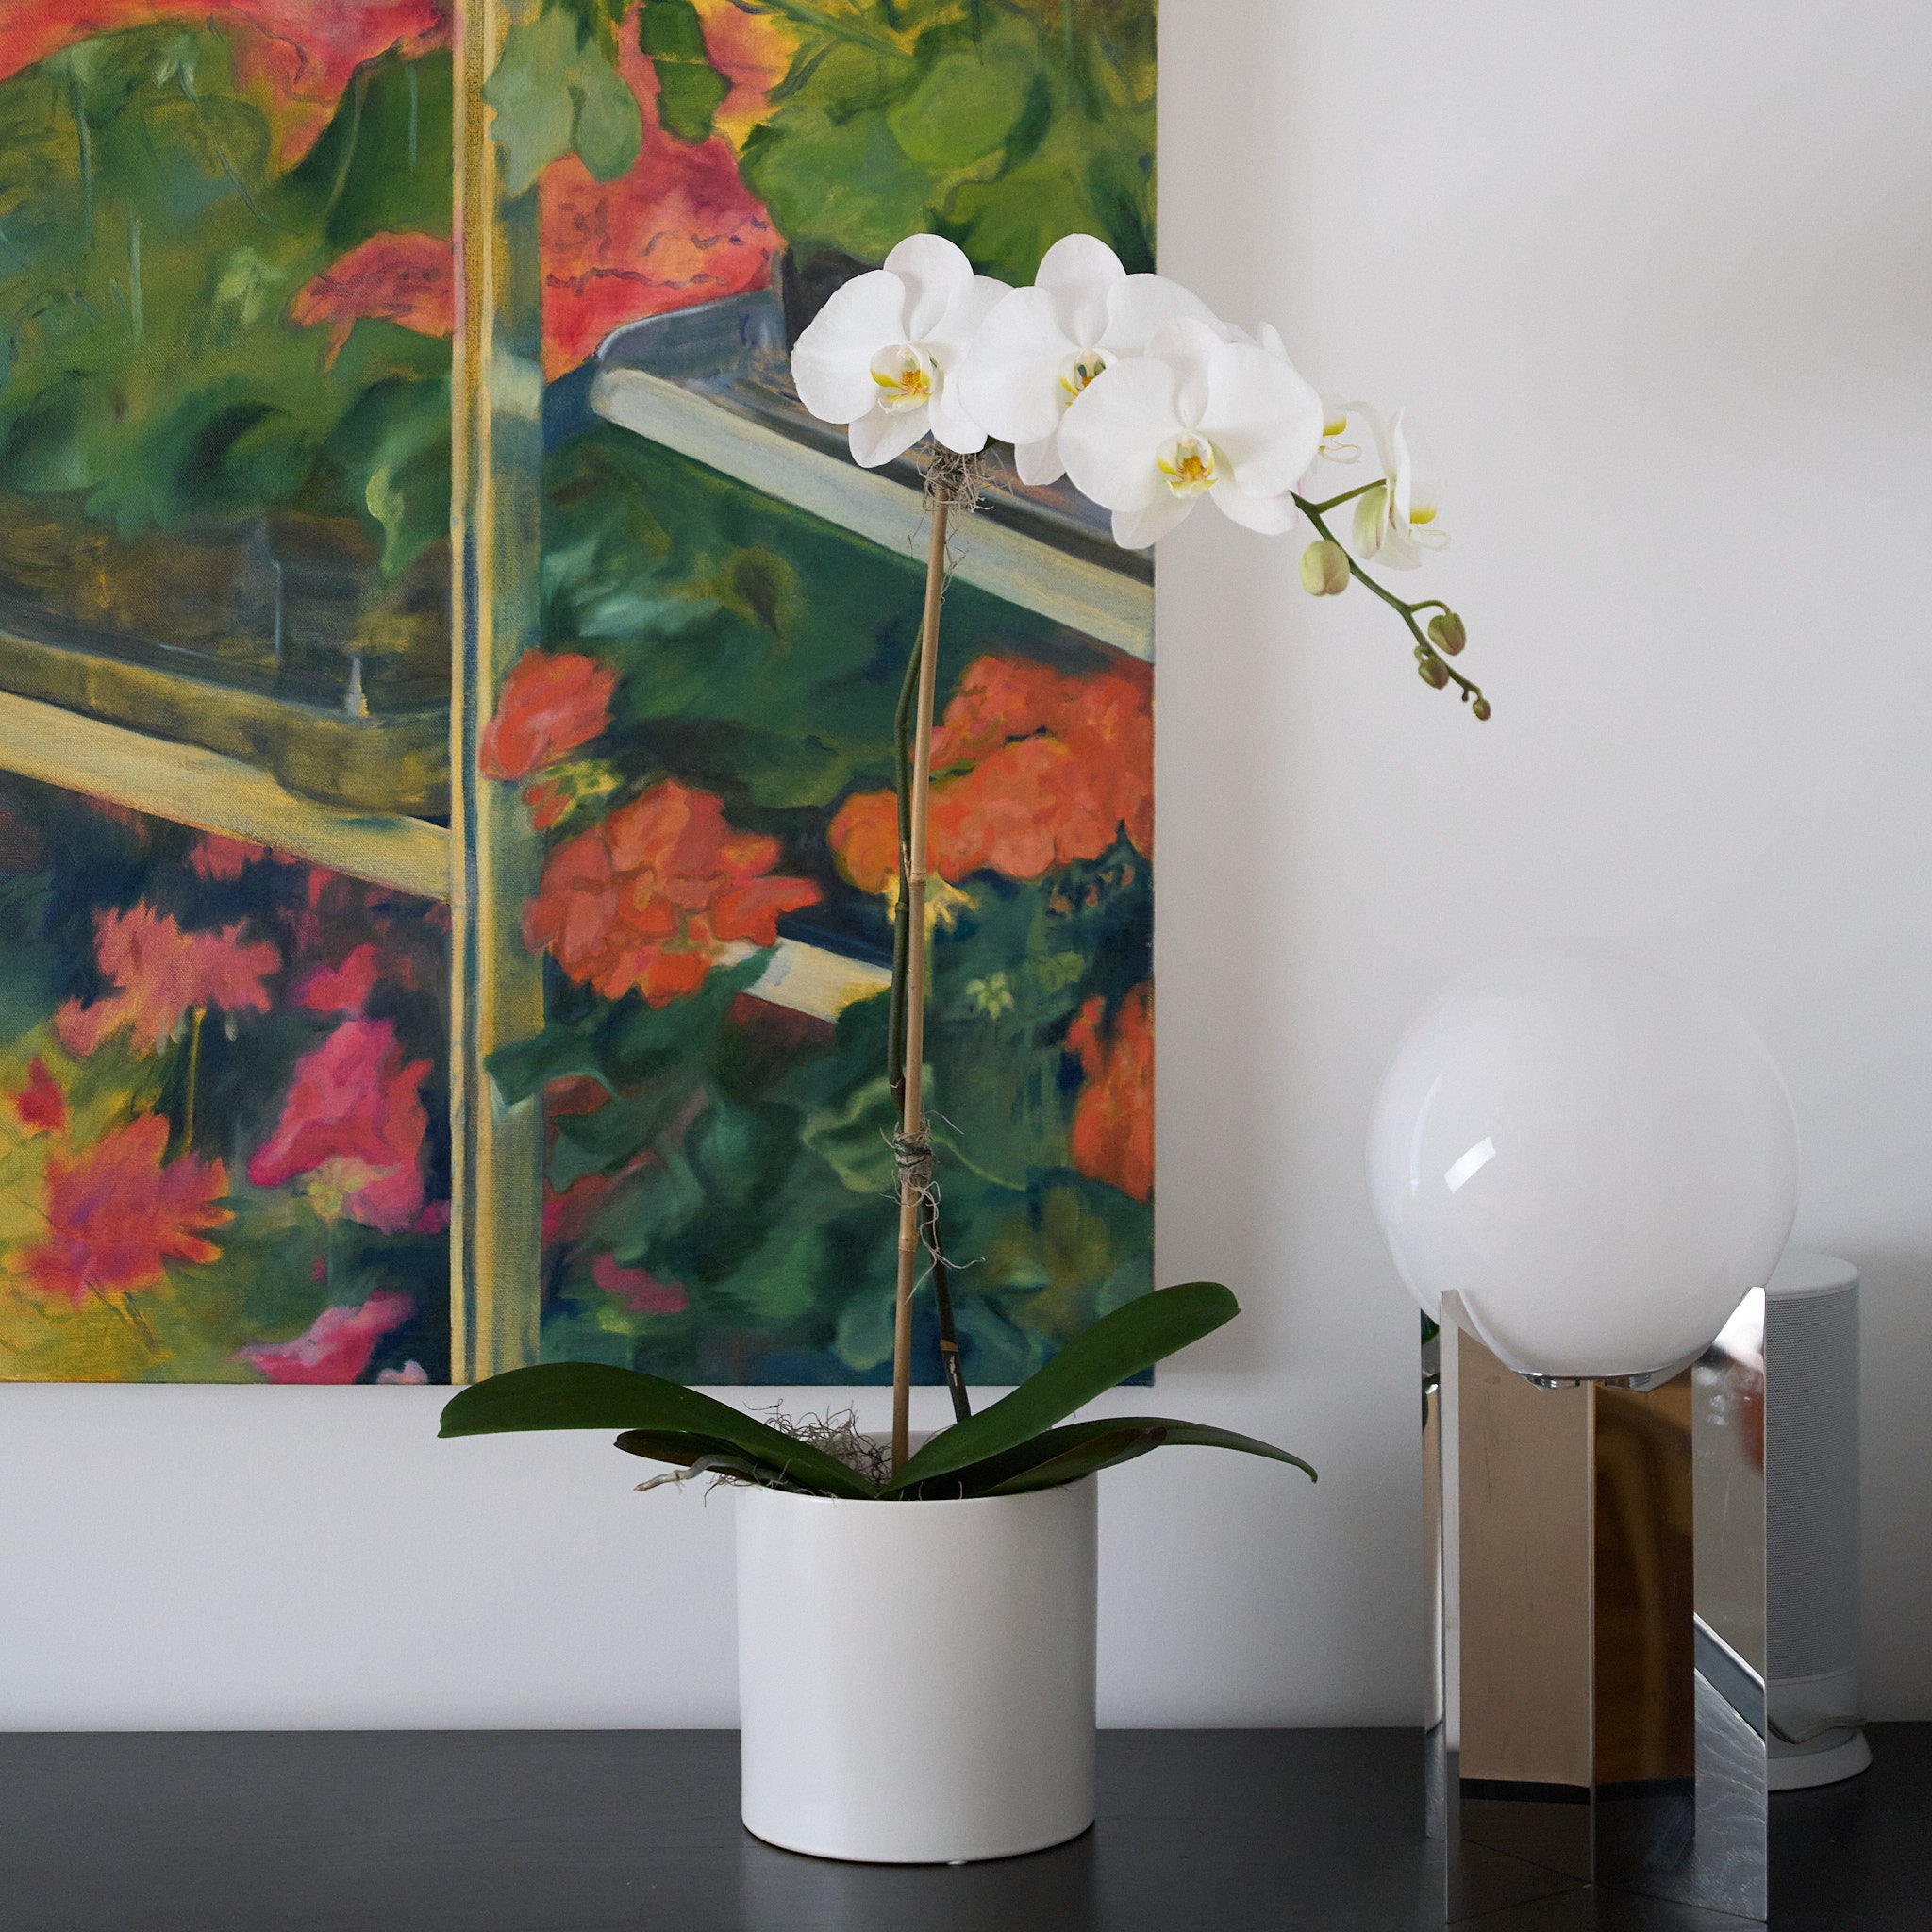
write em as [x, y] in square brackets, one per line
[1586, 1169]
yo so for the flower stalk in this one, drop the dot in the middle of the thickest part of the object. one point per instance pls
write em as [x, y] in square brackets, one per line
[913, 1145]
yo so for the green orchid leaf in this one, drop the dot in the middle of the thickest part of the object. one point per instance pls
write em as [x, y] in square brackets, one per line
[1077, 1459]
[596, 1396]
[700, 1454]
[1136, 1336]
[1005, 1473]
[690, 89]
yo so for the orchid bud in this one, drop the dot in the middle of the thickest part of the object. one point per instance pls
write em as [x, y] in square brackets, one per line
[1447, 634]
[1481, 707]
[1324, 569]
[1432, 670]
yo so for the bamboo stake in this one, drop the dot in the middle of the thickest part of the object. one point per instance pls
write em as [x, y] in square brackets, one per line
[914, 1151]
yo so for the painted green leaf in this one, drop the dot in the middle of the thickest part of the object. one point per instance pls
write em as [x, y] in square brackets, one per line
[1118, 1345]
[690, 89]
[553, 90]
[593, 1395]
[965, 105]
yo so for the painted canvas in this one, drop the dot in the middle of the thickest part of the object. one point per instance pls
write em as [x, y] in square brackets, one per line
[231, 1033]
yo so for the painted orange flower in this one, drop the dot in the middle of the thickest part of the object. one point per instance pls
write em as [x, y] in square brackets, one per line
[163, 974]
[680, 228]
[1112, 1135]
[1037, 768]
[39, 1106]
[550, 702]
[408, 278]
[297, 55]
[353, 1126]
[657, 894]
[118, 1214]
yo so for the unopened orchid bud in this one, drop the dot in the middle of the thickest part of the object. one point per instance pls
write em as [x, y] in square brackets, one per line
[1446, 632]
[1324, 569]
[1481, 707]
[1432, 670]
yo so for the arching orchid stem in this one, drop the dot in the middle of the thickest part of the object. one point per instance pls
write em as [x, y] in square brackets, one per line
[1425, 652]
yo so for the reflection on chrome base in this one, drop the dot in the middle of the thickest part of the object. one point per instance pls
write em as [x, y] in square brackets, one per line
[1596, 1570]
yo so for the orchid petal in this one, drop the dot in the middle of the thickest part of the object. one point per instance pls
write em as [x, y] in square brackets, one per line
[1040, 462]
[1011, 379]
[1270, 516]
[1113, 430]
[953, 423]
[1078, 274]
[934, 271]
[884, 434]
[1262, 417]
[1187, 346]
[1135, 529]
[951, 339]
[831, 365]
[1139, 305]
[1269, 338]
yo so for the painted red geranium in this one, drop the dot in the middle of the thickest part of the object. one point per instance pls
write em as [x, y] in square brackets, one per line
[353, 1126]
[409, 279]
[119, 1213]
[1112, 1135]
[337, 1345]
[680, 226]
[550, 702]
[297, 55]
[163, 974]
[1034, 767]
[657, 894]
[39, 1106]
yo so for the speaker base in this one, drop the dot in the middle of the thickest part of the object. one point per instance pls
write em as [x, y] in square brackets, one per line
[1834, 1758]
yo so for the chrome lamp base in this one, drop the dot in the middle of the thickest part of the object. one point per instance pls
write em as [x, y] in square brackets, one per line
[1596, 1557]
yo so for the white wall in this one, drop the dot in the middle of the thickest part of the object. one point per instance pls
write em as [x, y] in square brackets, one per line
[1656, 278]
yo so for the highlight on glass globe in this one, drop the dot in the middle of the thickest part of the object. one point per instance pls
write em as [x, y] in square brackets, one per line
[1596, 1156]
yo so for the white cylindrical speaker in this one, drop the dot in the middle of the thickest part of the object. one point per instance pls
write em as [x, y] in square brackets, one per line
[1812, 1701]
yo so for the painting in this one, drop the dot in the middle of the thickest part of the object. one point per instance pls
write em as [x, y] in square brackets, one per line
[326, 1058]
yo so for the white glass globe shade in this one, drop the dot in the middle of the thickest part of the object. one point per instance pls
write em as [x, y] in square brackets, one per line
[1596, 1156]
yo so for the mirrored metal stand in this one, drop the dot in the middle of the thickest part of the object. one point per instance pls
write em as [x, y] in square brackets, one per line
[1597, 1569]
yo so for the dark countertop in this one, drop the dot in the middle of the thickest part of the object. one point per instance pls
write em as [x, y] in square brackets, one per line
[637, 1831]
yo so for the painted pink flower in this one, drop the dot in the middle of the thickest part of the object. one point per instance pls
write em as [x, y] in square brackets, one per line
[336, 1348]
[411, 1374]
[164, 974]
[343, 988]
[638, 1289]
[353, 1126]
[213, 857]
[119, 1213]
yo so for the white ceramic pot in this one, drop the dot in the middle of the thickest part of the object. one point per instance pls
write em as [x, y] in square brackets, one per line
[915, 1681]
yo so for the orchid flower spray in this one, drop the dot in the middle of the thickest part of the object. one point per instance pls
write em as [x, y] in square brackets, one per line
[1131, 388]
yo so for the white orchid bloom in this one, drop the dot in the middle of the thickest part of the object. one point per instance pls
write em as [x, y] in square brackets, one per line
[881, 356]
[1041, 346]
[1196, 415]
[1394, 521]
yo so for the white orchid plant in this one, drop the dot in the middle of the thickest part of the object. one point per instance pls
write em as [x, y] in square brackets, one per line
[1134, 390]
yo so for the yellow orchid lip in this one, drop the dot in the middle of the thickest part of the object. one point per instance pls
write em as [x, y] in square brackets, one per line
[906, 375]
[1187, 463]
[1421, 513]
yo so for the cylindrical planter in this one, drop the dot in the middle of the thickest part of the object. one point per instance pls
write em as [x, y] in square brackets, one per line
[915, 1681]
